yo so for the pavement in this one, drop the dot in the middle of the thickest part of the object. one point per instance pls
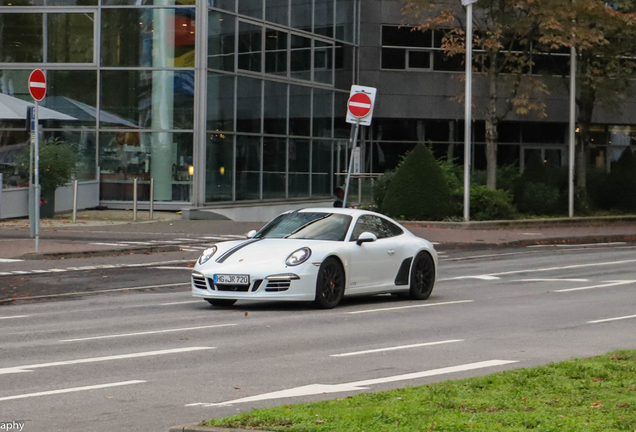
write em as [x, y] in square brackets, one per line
[111, 232]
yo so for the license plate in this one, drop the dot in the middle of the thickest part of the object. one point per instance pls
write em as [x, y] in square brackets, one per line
[232, 279]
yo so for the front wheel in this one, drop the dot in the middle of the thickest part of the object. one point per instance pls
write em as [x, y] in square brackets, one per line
[330, 284]
[220, 302]
[422, 277]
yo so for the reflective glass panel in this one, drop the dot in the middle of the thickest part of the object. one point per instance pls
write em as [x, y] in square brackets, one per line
[301, 14]
[70, 38]
[21, 38]
[220, 102]
[323, 112]
[249, 46]
[248, 109]
[275, 121]
[48, 2]
[13, 145]
[164, 156]
[298, 156]
[277, 11]
[148, 2]
[131, 36]
[341, 129]
[221, 28]
[300, 57]
[219, 167]
[344, 20]
[248, 168]
[276, 52]
[83, 144]
[323, 62]
[321, 168]
[73, 93]
[323, 17]
[253, 8]
[229, 5]
[299, 110]
[147, 99]
[274, 167]
[344, 66]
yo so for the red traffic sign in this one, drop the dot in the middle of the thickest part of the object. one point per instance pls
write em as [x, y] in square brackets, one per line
[37, 84]
[360, 105]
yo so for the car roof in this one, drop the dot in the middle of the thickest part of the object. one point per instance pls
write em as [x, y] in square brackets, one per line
[338, 210]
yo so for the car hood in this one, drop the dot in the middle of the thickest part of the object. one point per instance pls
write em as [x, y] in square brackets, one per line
[263, 251]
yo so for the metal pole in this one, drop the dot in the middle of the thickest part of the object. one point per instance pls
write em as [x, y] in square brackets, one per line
[152, 198]
[36, 178]
[355, 141]
[135, 200]
[31, 188]
[572, 130]
[75, 201]
[468, 109]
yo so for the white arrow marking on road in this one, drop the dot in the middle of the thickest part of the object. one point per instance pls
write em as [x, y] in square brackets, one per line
[29, 368]
[396, 348]
[613, 283]
[147, 332]
[314, 389]
[71, 390]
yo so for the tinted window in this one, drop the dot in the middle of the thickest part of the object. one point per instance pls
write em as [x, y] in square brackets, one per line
[305, 225]
[382, 228]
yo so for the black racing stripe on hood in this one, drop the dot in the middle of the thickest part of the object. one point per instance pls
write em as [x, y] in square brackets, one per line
[236, 248]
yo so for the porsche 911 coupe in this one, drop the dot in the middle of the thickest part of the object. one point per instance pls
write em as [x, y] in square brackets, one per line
[318, 255]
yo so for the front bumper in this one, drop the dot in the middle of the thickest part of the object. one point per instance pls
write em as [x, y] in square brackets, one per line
[280, 288]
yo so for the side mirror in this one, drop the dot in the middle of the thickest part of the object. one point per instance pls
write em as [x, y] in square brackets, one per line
[251, 234]
[366, 237]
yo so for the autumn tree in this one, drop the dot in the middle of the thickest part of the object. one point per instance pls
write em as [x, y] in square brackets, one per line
[604, 35]
[503, 35]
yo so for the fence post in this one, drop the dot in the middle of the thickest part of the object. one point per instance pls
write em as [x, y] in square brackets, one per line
[75, 201]
[135, 200]
[152, 198]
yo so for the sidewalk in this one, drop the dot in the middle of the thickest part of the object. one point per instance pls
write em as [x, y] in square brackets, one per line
[61, 238]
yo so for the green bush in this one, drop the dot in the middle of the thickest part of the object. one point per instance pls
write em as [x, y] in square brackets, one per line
[538, 198]
[620, 187]
[488, 204]
[57, 164]
[418, 191]
[380, 187]
[507, 177]
[541, 189]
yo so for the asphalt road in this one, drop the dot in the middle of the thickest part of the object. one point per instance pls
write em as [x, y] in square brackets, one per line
[137, 357]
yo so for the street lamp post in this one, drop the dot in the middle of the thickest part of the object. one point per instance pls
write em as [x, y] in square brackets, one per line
[468, 105]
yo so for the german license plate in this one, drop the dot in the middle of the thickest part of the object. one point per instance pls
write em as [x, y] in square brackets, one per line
[231, 279]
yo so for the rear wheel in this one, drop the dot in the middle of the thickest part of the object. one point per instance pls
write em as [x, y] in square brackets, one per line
[330, 284]
[422, 277]
[220, 302]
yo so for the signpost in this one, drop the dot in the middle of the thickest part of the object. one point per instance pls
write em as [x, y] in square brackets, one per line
[359, 113]
[37, 88]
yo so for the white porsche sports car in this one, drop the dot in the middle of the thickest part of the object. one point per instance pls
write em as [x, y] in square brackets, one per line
[319, 255]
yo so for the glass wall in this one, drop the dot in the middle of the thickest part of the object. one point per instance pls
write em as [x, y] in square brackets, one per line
[121, 91]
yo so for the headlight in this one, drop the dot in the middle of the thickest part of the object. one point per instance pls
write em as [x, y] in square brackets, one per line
[298, 257]
[207, 254]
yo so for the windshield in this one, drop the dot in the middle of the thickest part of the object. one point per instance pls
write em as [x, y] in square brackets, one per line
[306, 225]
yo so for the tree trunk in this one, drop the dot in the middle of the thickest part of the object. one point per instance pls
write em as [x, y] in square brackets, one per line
[586, 107]
[492, 135]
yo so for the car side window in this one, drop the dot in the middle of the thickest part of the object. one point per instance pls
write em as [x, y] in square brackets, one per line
[373, 224]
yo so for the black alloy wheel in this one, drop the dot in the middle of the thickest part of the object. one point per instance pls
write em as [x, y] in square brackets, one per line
[330, 284]
[422, 277]
[221, 302]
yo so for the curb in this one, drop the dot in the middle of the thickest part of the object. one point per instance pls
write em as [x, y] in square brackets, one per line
[523, 223]
[548, 241]
[99, 253]
[194, 427]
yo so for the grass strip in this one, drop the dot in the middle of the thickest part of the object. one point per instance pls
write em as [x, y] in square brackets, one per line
[595, 394]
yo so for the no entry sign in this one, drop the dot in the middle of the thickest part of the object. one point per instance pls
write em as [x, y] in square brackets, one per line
[37, 84]
[360, 105]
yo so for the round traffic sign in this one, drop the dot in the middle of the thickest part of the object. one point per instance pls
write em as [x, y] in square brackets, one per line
[37, 84]
[359, 105]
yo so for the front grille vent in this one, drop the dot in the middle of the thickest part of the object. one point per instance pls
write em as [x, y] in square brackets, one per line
[199, 282]
[277, 285]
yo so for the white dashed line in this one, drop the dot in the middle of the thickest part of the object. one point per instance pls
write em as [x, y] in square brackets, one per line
[409, 307]
[71, 390]
[395, 348]
[611, 319]
[147, 333]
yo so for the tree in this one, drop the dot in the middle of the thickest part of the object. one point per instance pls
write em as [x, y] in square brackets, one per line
[604, 36]
[504, 30]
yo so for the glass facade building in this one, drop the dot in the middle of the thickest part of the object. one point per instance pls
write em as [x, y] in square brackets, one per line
[216, 100]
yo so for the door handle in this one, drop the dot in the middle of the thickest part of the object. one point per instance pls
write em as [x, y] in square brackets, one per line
[391, 251]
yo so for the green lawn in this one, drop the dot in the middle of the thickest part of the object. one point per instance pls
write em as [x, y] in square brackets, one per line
[596, 394]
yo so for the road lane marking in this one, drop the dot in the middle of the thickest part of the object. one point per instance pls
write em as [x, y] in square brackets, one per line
[7, 260]
[411, 306]
[106, 244]
[611, 319]
[550, 280]
[147, 333]
[12, 317]
[177, 303]
[395, 348]
[482, 256]
[616, 283]
[173, 268]
[484, 277]
[96, 291]
[29, 368]
[71, 390]
[314, 389]
[590, 244]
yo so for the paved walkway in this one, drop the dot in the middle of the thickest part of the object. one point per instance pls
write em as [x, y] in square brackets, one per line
[111, 232]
